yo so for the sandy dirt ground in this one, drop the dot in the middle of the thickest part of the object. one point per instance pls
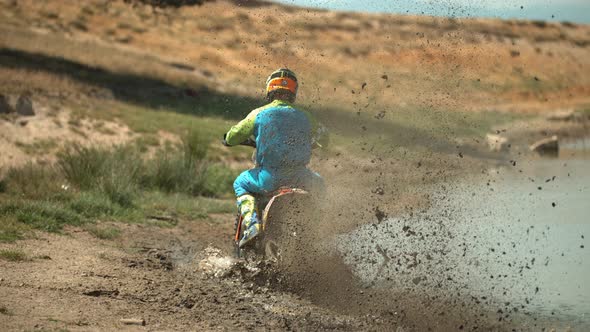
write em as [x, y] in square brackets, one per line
[36, 138]
[162, 276]
[184, 278]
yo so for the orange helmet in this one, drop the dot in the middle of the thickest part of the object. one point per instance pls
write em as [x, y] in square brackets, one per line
[282, 79]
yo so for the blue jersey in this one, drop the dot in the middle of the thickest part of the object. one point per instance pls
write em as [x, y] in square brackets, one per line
[283, 135]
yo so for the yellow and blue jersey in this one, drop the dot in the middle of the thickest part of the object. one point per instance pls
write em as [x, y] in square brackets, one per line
[284, 135]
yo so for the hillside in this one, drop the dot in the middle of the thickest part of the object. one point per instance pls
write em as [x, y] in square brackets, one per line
[445, 63]
[211, 60]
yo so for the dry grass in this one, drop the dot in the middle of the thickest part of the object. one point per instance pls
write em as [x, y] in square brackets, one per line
[426, 59]
[42, 146]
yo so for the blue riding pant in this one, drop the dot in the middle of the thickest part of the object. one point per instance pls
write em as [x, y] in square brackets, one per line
[264, 181]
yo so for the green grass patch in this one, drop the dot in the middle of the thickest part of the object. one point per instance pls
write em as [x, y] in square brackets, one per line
[183, 206]
[150, 120]
[13, 255]
[84, 208]
[11, 230]
[414, 130]
[103, 233]
[93, 205]
[43, 215]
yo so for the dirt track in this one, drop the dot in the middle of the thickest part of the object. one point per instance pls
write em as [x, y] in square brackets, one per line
[165, 277]
[77, 282]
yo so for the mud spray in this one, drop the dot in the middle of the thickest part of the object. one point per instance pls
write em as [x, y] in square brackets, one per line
[501, 250]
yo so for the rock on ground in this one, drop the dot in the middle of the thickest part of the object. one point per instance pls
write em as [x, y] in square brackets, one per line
[24, 106]
[497, 143]
[546, 146]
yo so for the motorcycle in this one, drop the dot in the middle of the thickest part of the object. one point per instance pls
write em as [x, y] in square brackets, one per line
[284, 211]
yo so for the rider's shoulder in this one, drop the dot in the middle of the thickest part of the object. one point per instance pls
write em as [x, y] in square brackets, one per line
[257, 111]
[272, 106]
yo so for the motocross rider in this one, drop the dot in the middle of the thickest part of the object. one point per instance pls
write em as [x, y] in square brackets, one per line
[284, 139]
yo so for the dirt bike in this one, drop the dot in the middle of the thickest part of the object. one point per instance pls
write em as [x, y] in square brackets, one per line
[282, 214]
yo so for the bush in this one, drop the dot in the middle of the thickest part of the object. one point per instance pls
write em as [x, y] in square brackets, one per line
[176, 171]
[33, 181]
[195, 146]
[105, 183]
[218, 180]
[121, 175]
[167, 172]
[81, 166]
[181, 170]
[116, 173]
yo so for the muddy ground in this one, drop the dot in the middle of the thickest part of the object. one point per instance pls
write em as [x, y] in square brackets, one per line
[77, 282]
[183, 278]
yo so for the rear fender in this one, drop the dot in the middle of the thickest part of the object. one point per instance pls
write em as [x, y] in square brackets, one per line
[279, 193]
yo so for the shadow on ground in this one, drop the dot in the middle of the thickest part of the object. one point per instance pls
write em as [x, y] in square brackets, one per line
[144, 91]
[155, 93]
[381, 138]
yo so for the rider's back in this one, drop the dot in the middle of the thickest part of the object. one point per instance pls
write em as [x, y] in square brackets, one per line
[283, 137]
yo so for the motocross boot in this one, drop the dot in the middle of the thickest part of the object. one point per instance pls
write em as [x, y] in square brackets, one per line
[250, 222]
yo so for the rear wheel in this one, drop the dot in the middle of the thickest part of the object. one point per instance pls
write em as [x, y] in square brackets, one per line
[282, 241]
[286, 222]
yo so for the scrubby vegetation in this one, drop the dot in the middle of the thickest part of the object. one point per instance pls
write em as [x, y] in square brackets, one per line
[119, 183]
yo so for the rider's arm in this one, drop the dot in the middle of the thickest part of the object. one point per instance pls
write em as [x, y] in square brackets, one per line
[241, 131]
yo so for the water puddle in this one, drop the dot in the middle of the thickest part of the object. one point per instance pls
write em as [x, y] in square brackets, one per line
[514, 239]
[572, 149]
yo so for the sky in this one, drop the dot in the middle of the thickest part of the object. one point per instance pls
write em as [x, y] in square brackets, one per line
[551, 10]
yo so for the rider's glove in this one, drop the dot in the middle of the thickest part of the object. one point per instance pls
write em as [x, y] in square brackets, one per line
[224, 142]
